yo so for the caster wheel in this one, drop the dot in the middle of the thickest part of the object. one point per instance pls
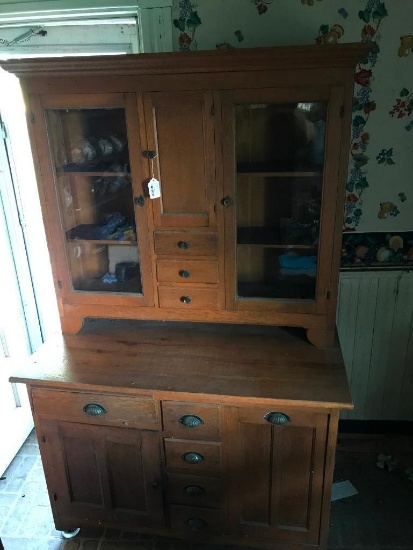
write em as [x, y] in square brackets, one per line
[70, 534]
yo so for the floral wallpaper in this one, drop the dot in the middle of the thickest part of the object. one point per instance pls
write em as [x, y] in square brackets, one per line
[379, 191]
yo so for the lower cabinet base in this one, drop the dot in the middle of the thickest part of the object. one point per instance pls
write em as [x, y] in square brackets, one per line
[208, 435]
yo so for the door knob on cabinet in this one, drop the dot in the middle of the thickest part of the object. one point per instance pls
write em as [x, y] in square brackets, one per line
[186, 299]
[192, 458]
[139, 200]
[278, 418]
[184, 273]
[94, 409]
[184, 245]
[155, 483]
[191, 420]
[226, 201]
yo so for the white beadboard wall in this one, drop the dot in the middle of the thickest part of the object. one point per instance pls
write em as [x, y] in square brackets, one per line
[374, 322]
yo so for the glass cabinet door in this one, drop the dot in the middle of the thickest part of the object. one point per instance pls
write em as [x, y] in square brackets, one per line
[94, 187]
[278, 162]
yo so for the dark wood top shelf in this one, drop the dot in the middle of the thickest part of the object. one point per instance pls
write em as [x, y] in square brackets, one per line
[92, 174]
[224, 363]
[278, 174]
[102, 241]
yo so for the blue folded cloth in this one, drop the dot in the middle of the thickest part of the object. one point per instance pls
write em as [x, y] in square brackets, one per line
[295, 261]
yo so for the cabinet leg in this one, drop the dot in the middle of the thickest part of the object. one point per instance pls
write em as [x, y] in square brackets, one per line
[71, 325]
[321, 338]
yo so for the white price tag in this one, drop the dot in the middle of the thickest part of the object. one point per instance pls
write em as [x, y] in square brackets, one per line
[154, 188]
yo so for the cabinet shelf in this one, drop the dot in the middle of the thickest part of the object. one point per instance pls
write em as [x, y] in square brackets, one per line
[278, 174]
[281, 246]
[268, 237]
[103, 241]
[262, 170]
[93, 174]
[90, 284]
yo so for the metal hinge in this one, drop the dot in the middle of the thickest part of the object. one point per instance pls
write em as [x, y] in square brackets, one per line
[342, 111]
[213, 109]
[59, 284]
[31, 118]
[43, 439]
[328, 294]
[54, 496]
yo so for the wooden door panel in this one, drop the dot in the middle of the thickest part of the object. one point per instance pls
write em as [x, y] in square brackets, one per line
[103, 473]
[180, 129]
[279, 488]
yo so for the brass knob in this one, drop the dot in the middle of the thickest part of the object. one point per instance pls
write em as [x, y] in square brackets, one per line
[278, 418]
[192, 458]
[226, 201]
[194, 490]
[196, 524]
[93, 409]
[191, 421]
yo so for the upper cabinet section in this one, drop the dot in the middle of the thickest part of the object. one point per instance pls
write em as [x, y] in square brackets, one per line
[200, 186]
[180, 132]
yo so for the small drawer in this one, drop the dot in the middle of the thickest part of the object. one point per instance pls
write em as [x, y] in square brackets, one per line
[281, 416]
[195, 521]
[108, 410]
[190, 271]
[195, 490]
[194, 457]
[188, 297]
[190, 421]
[180, 243]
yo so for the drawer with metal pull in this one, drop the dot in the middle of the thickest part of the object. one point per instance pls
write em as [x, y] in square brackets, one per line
[281, 416]
[194, 457]
[195, 490]
[196, 521]
[190, 271]
[94, 408]
[185, 243]
[188, 297]
[191, 420]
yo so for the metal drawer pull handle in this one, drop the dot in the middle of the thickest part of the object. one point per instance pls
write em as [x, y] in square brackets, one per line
[93, 409]
[194, 490]
[196, 524]
[192, 458]
[191, 420]
[184, 273]
[277, 418]
[186, 299]
[183, 244]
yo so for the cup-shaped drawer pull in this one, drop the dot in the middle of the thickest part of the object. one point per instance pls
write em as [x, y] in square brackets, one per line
[278, 418]
[196, 524]
[191, 420]
[94, 409]
[184, 273]
[186, 299]
[194, 490]
[192, 458]
[184, 245]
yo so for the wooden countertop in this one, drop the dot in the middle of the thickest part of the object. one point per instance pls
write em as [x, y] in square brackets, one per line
[222, 363]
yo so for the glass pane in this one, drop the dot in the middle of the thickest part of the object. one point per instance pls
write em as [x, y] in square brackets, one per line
[279, 160]
[92, 171]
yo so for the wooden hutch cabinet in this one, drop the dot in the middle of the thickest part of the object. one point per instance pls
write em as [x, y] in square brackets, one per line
[204, 189]
[250, 148]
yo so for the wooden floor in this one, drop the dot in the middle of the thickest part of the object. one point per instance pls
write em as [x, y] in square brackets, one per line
[378, 518]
